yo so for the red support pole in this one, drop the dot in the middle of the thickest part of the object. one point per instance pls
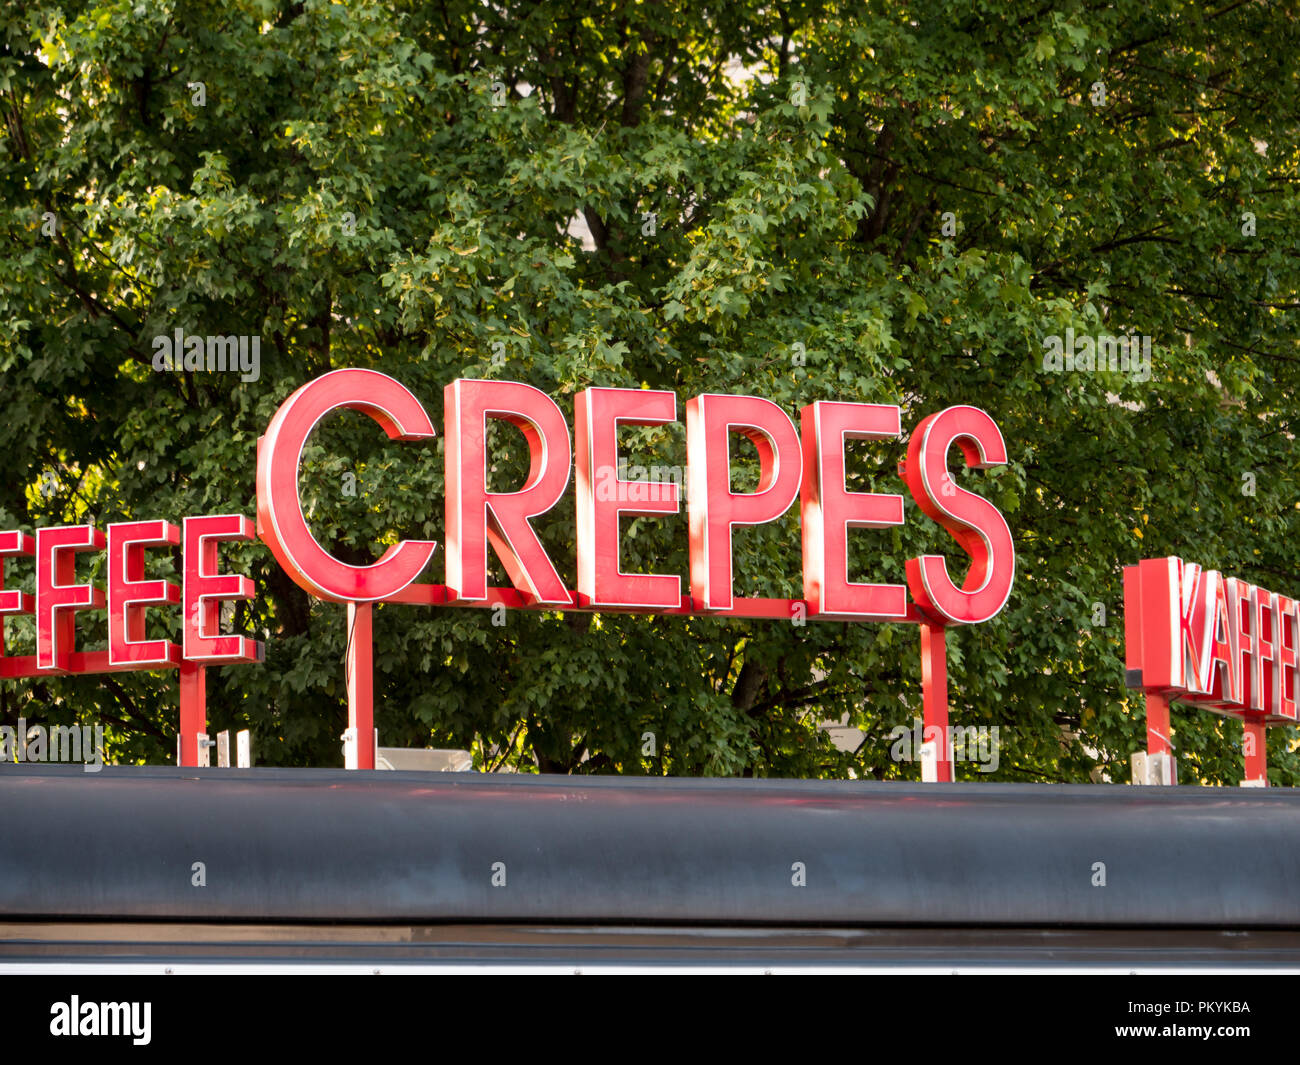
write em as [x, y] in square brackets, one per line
[1158, 724]
[194, 710]
[934, 695]
[1254, 743]
[360, 672]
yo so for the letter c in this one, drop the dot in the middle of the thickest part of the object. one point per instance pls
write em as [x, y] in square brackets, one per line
[280, 521]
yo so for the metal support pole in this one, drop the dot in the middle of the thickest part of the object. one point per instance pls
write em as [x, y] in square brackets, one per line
[360, 676]
[194, 711]
[1161, 768]
[934, 697]
[1254, 743]
[1158, 725]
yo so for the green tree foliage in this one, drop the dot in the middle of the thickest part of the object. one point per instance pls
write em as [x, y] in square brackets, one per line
[916, 193]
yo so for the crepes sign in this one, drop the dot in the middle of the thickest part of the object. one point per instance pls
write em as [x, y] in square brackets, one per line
[807, 464]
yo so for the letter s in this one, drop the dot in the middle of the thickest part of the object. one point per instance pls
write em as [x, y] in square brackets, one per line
[976, 524]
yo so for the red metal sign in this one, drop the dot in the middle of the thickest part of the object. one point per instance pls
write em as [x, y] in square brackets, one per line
[1195, 636]
[59, 596]
[789, 467]
[808, 464]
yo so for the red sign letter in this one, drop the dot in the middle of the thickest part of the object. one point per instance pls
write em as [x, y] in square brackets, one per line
[1225, 646]
[129, 593]
[205, 589]
[974, 522]
[1263, 648]
[280, 520]
[1168, 623]
[58, 598]
[14, 544]
[1286, 661]
[604, 497]
[830, 511]
[476, 516]
[712, 506]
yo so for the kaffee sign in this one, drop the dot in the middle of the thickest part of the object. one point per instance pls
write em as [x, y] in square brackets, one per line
[1212, 641]
[807, 463]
